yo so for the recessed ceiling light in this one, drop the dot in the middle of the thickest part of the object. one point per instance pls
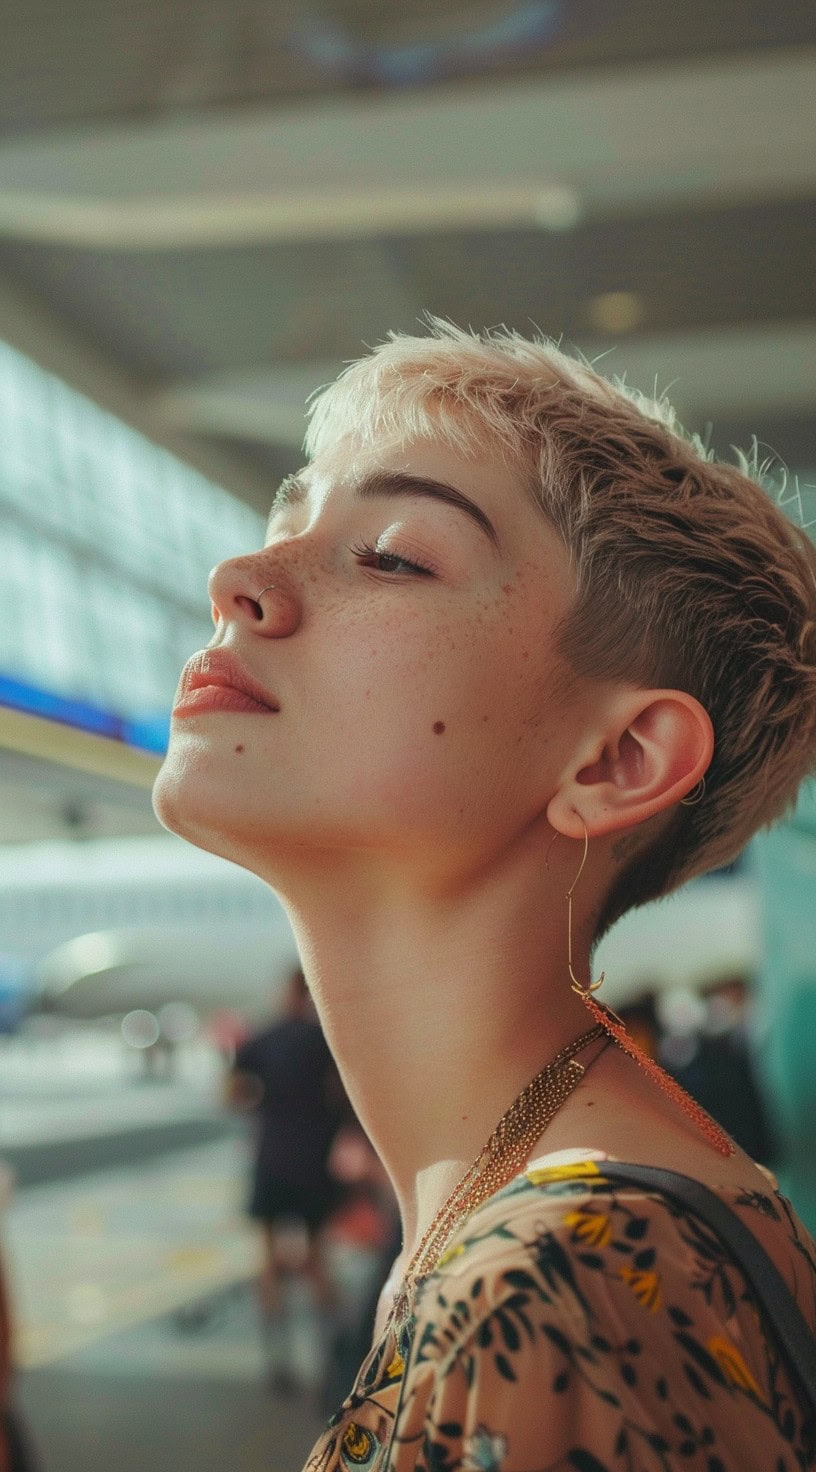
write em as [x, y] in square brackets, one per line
[616, 311]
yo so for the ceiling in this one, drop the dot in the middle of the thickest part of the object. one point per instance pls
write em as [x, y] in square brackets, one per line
[207, 206]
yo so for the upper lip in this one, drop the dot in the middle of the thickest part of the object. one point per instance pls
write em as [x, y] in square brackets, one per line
[219, 667]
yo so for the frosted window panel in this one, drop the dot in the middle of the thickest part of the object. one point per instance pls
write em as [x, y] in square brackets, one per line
[108, 541]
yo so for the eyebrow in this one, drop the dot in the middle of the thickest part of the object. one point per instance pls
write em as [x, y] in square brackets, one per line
[392, 483]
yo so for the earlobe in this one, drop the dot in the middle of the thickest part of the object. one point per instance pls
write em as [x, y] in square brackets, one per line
[654, 749]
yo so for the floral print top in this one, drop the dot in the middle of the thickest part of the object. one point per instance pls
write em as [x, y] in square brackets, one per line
[577, 1325]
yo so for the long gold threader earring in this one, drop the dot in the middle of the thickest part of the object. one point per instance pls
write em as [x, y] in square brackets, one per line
[576, 985]
[616, 1028]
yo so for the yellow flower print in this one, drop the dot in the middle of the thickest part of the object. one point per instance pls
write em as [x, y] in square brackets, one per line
[538, 1176]
[450, 1253]
[595, 1228]
[396, 1367]
[644, 1285]
[733, 1365]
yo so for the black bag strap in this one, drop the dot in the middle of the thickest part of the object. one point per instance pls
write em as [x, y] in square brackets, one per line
[792, 1330]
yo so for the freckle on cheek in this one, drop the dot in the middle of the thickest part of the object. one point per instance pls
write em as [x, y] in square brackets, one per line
[239, 748]
[438, 727]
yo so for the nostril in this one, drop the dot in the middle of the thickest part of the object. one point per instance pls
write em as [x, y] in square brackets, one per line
[252, 604]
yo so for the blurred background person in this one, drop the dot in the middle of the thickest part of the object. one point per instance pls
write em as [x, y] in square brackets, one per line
[705, 1041]
[369, 1219]
[286, 1076]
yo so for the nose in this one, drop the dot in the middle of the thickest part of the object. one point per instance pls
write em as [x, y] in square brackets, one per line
[254, 594]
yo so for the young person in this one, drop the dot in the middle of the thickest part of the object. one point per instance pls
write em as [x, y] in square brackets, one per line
[516, 657]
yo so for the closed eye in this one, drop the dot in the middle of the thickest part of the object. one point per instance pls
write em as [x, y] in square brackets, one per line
[389, 562]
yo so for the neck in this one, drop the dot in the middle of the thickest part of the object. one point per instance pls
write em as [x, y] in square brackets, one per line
[439, 1003]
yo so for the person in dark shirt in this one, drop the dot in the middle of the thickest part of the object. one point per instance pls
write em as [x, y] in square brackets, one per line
[287, 1077]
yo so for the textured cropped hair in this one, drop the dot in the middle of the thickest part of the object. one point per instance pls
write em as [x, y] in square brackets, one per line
[689, 575]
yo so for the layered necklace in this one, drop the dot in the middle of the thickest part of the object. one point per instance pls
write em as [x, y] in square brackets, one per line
[498, 1161]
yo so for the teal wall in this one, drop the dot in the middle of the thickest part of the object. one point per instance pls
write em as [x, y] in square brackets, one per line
[784, 860]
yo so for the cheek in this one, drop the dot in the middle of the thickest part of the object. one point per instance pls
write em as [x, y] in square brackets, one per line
[441, 712]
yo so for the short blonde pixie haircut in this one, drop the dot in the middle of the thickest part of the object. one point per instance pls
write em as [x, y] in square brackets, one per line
[689, 576]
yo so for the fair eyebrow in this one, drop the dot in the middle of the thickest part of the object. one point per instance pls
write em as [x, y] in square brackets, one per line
[294, 490]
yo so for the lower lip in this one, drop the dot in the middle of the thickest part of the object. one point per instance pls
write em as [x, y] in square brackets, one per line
[218, 697]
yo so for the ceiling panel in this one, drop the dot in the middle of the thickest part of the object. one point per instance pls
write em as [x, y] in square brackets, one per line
[173, 314]
[69, 61]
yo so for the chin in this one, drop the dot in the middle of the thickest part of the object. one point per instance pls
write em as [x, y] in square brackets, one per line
[188, 804]
[222, 818]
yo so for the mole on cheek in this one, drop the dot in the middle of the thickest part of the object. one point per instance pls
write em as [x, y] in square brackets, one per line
[438, 727]
[239, 748]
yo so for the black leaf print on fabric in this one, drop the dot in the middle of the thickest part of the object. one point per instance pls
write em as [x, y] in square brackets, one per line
[703, 1242]
[427, 1343]
[509, 1332]
[637, 1227]
[584, 1461]
[518, 1278]
[504, 1367]
[680, 1318]
[696, 1381]
[437, 1457]
[729, 1297]
[788, 1425]
[554, 1264]
[759, 1202]
[516, 1304]
[644, 1259]
[706, 1361]
[558, 1339]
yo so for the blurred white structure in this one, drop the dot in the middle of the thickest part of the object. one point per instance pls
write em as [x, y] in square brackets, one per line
[121, 924]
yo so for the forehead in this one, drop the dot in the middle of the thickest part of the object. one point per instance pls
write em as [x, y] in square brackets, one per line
[499, 489]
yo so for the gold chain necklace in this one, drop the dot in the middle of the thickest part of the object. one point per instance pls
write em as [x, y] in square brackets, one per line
[500, 1159]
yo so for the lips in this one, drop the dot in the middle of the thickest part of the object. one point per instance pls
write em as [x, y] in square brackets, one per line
[220, 668]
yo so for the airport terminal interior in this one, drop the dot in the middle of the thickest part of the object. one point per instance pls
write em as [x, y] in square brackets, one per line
[208, 207]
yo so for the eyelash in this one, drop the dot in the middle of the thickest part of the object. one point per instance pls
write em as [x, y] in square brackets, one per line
[364, 549]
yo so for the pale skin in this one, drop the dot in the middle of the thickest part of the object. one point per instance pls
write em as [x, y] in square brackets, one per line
[402, 802]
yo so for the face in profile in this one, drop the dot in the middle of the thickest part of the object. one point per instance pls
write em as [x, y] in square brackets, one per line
[405, 686]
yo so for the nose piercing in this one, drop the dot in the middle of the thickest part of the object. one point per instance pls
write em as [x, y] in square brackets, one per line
[259, 596]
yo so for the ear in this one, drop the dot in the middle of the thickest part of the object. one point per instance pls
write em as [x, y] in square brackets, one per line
[654, 747]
